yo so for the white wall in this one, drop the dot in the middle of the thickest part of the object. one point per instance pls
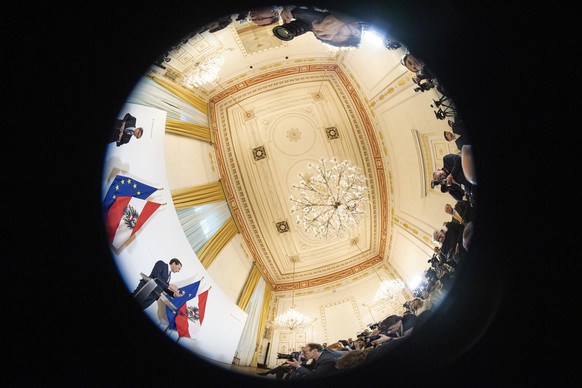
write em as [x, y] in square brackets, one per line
[162, 238]
[340, 313]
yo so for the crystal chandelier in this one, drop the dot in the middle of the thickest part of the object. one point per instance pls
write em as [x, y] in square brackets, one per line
[204, 70]
[330, 199]
[389, 290]
[292, 319]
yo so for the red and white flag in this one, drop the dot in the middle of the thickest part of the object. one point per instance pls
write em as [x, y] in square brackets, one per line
[189, 320]
[126, 216]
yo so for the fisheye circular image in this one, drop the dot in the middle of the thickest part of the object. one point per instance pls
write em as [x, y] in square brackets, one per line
[290, 192]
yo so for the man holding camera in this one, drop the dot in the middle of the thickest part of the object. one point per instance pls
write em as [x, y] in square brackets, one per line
[323, 363]
[452, 173]
[285, 371]
[330, 27]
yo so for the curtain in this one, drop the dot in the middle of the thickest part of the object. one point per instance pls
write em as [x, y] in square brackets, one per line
[200, 223]
[247, 345]
[152, 94]
[184, 94]
[210, 250]
[247, 292]
[192, 130]
[198, 195]
[262, 322]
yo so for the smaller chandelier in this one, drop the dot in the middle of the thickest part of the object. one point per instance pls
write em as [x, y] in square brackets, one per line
[331, 199]
[292, 319]
[389, 290]
[204, 71]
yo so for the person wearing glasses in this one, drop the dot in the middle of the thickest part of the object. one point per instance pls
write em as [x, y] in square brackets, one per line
[323, 364]
[262, 16]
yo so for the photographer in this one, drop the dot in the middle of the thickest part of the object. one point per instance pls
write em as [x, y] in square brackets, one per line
[452, 173]
[395, 327]
[285, 371]
[329, 27]
[323, 363]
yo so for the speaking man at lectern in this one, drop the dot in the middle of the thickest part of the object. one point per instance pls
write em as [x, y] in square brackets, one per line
[161, 275]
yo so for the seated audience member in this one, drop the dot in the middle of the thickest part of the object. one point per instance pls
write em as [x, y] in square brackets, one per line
[359, 344]
[452, 172]
[337, 346]
[458, 127]
[459, 140]
[352, 359]
[416, 306]
[461, 213]
[346, 343]
[324, 361]
[449, 237]
[454, 190]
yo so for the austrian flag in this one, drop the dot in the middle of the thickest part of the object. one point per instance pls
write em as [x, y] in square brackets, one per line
[190, 316]
[126, 216]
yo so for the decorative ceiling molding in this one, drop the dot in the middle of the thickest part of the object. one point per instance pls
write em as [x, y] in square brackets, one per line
[222, 107]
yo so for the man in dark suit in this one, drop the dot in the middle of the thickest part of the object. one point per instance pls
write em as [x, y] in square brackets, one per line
[323, 363]
[452, 172]
[161, 273]
[124, 130]
[459, 140]
[461, 213]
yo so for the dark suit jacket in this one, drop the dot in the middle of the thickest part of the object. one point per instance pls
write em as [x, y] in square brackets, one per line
[452, 165]
[453, 236]
[465, 211]
[461, 141]
[323, 366]
[161, 273]
[129, 121]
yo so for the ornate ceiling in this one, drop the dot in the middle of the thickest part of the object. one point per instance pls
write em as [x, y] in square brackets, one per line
[267, 129]
[277, 106]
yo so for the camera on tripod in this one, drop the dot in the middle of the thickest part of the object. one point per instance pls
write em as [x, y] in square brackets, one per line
[290, 30]
[436, 182]
[424, 85]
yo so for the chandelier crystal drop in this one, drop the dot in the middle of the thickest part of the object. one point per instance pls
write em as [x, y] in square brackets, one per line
[331, 199]
[389, 290]
[292, 319]
[204, 71]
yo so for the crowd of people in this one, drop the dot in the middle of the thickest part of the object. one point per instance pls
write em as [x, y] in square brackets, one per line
[321, 360]
[452, 243]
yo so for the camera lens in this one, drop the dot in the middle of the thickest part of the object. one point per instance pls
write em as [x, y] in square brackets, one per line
[283, 33]
[292, 29]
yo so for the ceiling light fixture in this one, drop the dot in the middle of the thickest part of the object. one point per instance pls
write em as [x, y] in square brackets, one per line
[292, 319]
[204, 71]
[388, 290]
[331, 199]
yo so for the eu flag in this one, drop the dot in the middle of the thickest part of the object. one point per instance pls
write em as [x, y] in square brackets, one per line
[126, 186]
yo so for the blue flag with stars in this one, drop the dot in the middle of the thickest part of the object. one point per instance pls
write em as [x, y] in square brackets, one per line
[189, 292]
[126, 186]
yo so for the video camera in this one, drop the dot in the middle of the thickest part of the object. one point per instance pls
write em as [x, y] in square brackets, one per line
[288, 31]
[283, 356]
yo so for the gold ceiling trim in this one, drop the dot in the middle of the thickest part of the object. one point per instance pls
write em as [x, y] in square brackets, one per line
[357, 112]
